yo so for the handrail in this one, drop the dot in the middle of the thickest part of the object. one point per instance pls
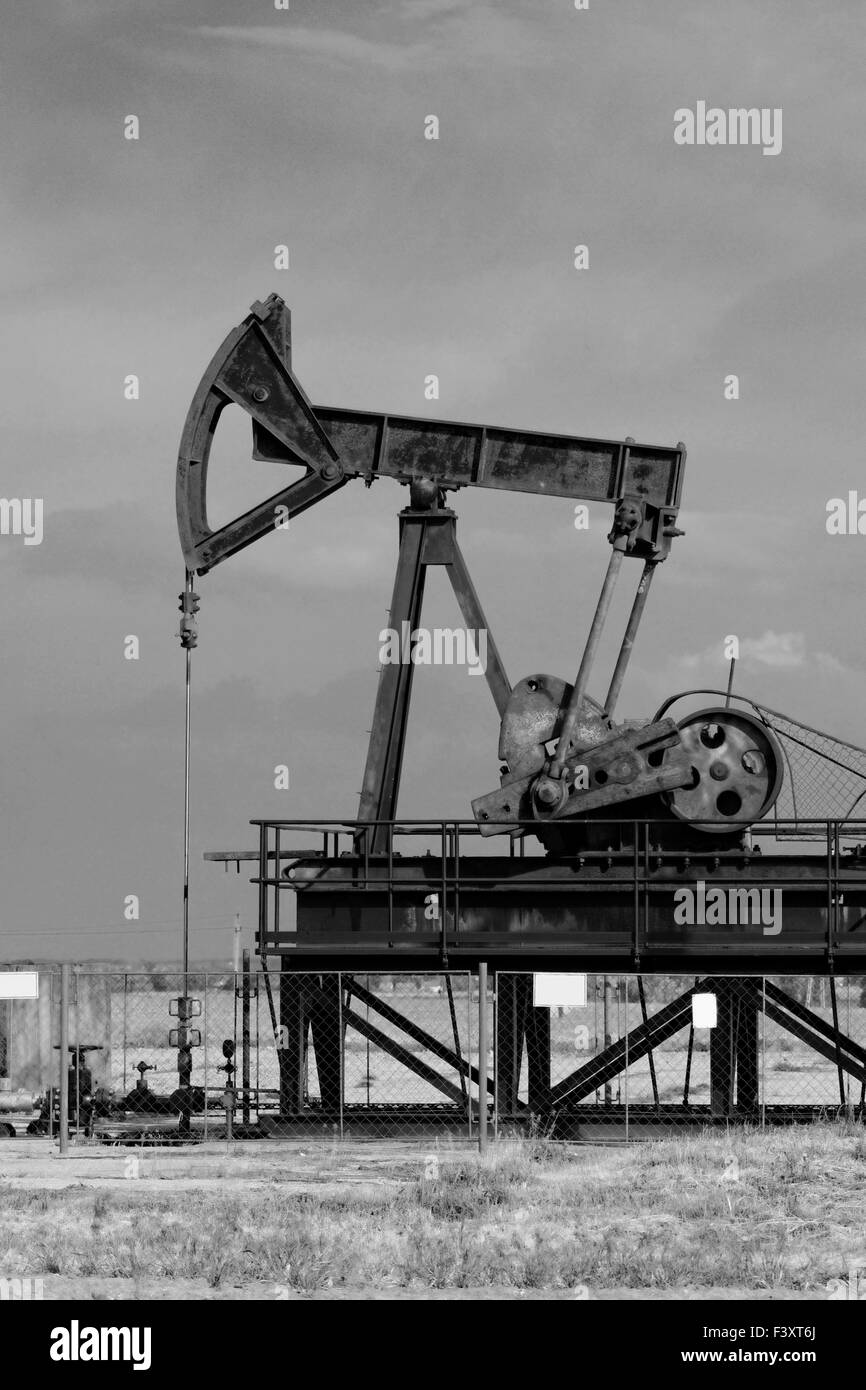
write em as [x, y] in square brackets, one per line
[638, 871]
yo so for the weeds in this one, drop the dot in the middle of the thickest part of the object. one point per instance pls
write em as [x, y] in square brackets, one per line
[746, 1210]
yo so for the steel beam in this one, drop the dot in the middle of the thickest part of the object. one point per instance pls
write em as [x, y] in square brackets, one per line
[393, 1048]
[419, 1035]
[626, 1050]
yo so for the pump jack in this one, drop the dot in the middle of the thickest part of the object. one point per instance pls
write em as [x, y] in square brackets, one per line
[603, 890]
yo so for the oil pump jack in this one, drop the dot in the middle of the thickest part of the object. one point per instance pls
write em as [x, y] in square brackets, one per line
[715, 768]
[620, 815]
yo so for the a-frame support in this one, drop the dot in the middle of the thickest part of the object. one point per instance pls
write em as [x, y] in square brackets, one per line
[427, 537]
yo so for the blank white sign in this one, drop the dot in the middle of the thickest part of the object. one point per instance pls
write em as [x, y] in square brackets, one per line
[704, 1012]
[558, 991]
[19, 984]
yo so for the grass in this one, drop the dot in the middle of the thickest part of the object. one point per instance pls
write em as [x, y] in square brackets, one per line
[531, 1216]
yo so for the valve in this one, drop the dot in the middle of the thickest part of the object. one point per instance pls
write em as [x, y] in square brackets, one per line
[228, 1067]
[189, 606]
[141, 1068]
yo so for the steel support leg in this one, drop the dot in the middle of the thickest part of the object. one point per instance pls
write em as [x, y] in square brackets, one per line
[510, 1028]
[294, 1025]
[746, 1054]
[722, 1052]
[521, 1027]
[324, 1012]
[391, 714]
[538, 1055]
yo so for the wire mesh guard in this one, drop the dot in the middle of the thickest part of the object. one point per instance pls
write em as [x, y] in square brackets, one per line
[382, 1056]
[825, 777]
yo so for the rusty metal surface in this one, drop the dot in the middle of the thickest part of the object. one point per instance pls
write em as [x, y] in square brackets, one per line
[736, 765]
[464, 455]
[252, 369]
[534, 717]
[634, 763]
[581, 909]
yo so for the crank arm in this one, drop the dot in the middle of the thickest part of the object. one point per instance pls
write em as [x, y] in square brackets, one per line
[633, 764]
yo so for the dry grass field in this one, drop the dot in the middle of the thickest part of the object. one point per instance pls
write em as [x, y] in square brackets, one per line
[778, 1215]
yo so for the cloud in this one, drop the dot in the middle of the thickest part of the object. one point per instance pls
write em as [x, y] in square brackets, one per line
[331, 45]
[779, 650]
[830, 663]
[433, 9]
[453, 33]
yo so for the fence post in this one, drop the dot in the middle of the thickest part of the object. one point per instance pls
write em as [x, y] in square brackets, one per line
[625, 979]
[342, 1050]
[64, 1059]
[482, 1057]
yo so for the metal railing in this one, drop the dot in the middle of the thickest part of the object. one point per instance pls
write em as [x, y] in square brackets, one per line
[639, 873]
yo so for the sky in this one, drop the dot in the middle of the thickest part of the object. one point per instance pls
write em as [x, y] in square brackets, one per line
[408, 257]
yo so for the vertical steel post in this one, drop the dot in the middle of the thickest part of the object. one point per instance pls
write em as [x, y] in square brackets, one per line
[53, 994]
[482, 1057]
[469, 1057]
[245, 1037]
[624, 980]
[342, 1054]
[206, 1097]
[64, 1059]
[763, 1051]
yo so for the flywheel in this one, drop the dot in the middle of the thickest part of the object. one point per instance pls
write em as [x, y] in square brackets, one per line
[737, 770]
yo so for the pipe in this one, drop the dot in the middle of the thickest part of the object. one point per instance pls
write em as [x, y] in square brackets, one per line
[186, 741]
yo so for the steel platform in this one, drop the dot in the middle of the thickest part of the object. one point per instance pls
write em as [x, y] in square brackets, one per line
[763, 908]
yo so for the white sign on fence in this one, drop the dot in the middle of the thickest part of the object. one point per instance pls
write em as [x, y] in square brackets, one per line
[19, 984]
[704, 1011]
[551, 991]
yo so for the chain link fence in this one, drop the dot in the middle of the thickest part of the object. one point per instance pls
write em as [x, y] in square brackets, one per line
[29, 1052]
[159, 1058]
[644, 1055]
